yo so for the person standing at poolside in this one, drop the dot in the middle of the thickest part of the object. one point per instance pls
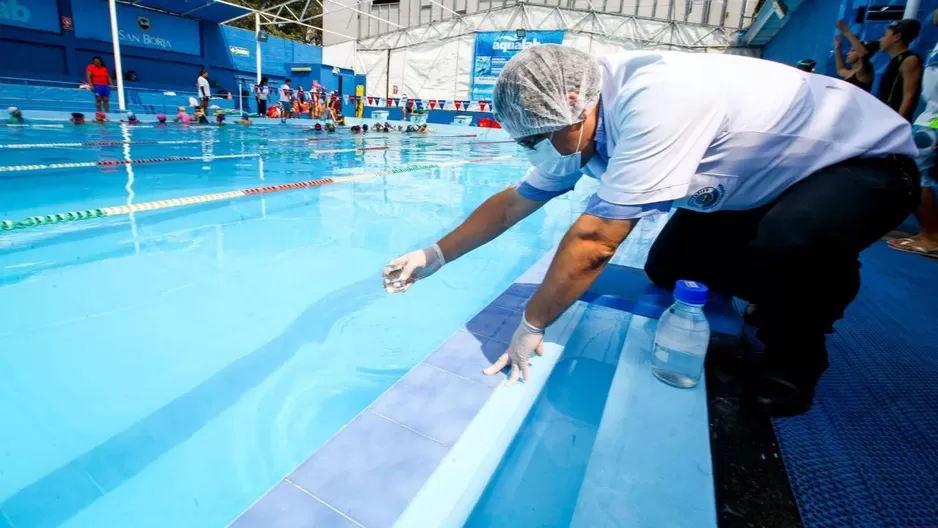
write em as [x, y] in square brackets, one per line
[205, 91]
[100, 80]
[858, 70]
[925, 242]
[779, 177]
[262, 91]
[286, 99]
[901, 84]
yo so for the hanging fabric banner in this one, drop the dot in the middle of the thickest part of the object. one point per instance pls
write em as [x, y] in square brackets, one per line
[482, 105]
[442, 104]
[432, 104]
[397, 101]
[495, 48]
[371, 100]
[458, 104]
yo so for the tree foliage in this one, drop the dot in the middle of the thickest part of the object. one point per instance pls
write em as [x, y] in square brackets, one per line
[286, 30]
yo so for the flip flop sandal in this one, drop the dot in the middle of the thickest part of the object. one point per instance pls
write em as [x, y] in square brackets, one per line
[909, 246]
[899, 242]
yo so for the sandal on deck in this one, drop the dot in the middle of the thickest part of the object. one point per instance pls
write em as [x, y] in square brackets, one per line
[909, 245]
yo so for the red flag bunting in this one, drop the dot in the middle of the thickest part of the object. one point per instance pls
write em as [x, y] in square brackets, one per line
[351, 98]
[371, 100]
[458, 104]
[482, 105]
[432, 104]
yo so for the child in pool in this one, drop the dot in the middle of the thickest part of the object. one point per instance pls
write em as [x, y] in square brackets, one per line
[182, 116]
[16, 116]
[78, 118]
[220, 117]
[100, 118]
[161, 119]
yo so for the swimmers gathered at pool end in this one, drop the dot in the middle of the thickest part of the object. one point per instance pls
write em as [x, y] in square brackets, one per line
[775, 194]
[16, 116]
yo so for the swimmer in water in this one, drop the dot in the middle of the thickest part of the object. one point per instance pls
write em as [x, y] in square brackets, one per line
[16, 116]
[100, 118]
[160, 119]
[182, 116]
[245, 120]
[78, 118]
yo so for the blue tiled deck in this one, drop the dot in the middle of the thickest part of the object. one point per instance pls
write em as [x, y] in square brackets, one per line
[422, 453]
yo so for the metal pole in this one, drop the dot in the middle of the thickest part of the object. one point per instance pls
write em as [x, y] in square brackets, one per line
[118, 70]
[911, 9]
[257, 44]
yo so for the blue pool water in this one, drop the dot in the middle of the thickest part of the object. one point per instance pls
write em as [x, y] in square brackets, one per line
[168, 367]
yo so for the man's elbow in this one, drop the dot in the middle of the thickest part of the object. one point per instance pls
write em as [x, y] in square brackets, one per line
[597, 244]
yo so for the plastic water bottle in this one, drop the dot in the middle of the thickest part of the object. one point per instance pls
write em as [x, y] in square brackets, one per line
[682, 337]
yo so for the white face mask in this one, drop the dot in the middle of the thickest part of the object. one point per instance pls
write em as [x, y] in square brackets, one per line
[552, 163]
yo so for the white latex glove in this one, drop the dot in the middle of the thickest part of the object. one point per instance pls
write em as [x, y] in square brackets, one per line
[525, 340]
[402, 272]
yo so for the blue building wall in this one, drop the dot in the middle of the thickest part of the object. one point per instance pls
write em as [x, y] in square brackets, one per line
[168, 56]
[810, 32]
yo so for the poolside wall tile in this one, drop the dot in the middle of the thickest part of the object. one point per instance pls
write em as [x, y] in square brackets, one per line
[287, 506]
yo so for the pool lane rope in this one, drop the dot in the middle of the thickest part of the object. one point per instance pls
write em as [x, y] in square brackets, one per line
[74, 216]
[112, 163]
[11, 146]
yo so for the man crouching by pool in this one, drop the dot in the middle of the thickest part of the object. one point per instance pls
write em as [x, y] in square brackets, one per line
[780, 178]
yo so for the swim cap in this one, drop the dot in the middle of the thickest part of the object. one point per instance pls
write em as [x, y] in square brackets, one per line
[12, 109]
[182, 108]
[99, 115]
[161, 117]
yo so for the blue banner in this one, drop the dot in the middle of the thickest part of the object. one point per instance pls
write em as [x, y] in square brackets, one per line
[137, 27]
[42, 15]
[493, 49]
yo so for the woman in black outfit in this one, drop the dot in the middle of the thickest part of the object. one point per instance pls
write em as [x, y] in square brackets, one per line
[858, 70]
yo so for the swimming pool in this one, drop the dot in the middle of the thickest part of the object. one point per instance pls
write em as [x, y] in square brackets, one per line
[167, 367]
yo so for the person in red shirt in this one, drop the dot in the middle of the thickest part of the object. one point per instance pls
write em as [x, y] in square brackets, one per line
[100, 80]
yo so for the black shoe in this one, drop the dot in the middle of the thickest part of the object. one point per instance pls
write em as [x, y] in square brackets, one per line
[780, 393]
[728, 365]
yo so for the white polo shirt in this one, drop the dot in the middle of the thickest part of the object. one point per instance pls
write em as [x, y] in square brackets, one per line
[204, 89]
[712, 131]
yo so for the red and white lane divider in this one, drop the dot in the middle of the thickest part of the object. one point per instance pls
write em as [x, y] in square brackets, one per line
[88, 214]
[110, 163]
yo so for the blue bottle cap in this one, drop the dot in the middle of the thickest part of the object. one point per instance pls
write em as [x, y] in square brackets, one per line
[690, 292]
